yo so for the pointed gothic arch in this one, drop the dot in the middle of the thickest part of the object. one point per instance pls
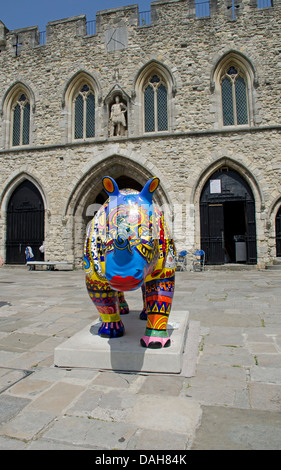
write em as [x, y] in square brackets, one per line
[227, 219]
[25, 221]
[154, 91]
[228, 202]
[80, 99]
[88, 194]
[234, 80]
[17, 107]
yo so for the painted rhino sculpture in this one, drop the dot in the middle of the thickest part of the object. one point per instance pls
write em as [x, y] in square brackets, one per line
[128, 246]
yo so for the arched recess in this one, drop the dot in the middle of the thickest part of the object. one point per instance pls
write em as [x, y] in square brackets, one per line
[88, 195]
[228, 202]
[25, 222]
[119, 99]
[12, 184]
[10, 189]
[86, 86]
[154, 76]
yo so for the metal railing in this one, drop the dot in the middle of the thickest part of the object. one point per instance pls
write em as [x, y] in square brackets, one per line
[91, 27]
[144, 18]
[202, 9]
[42, 37]
[264, 3]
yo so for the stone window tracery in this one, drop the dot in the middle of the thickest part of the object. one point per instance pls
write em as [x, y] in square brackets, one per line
[234, 97]
[234, 81]
[154, 99]
[84, 113]
[20, 112]
[155, 104]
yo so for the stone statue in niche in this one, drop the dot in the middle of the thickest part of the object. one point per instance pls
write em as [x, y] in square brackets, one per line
[117, 120]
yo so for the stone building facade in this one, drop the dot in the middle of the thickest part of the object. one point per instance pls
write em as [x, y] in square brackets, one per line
[201, 109]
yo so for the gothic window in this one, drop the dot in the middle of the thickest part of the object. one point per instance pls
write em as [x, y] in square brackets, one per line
[155, 90]
[155, 104]
[234, 82]
[20, 120]
[234, 97]
[84, 113]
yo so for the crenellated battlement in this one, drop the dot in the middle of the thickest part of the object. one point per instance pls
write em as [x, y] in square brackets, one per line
[114, 25]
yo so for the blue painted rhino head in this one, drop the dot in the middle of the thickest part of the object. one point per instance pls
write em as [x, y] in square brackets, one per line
[129, 235]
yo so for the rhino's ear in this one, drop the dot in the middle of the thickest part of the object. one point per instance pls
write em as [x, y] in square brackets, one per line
[149, 188]
[110, 186]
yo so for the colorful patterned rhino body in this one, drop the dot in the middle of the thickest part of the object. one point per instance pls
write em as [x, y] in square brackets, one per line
[128, 246]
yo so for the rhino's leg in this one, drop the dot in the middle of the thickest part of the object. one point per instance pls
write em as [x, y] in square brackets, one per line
[124, 307]
[159, 296]
[143, 314]
[107, 303]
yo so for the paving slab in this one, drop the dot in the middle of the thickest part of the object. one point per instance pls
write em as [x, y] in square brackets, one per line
[91, 432]
[9, 377]
[11, 406]
[169, 413]
[266, 375]
[88, 349]
[225, 428]
[148, 439]
[265, 396]
[27, 424]
[19, 342]
[56, 398]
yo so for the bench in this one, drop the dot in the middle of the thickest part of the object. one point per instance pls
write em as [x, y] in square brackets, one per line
[49, 264]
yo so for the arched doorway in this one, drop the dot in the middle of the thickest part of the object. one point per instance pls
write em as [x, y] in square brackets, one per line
[88, 194]
[227, 219]
[25, 223]
[278, 232]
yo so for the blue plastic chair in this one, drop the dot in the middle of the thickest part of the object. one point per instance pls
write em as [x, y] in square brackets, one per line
[181, 260]
[198, 262]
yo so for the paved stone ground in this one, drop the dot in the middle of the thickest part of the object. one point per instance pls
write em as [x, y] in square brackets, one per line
[231, 401]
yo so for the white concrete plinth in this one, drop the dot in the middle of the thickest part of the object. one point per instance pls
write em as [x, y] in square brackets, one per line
[87, 349]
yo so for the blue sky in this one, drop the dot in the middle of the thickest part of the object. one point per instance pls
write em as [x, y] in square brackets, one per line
[22, 13]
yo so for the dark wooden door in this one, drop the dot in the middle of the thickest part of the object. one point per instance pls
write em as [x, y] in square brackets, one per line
[216, 233]
[212, 232]
[251, 233]
[25, 223]
[227, 215]
[278, 233]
